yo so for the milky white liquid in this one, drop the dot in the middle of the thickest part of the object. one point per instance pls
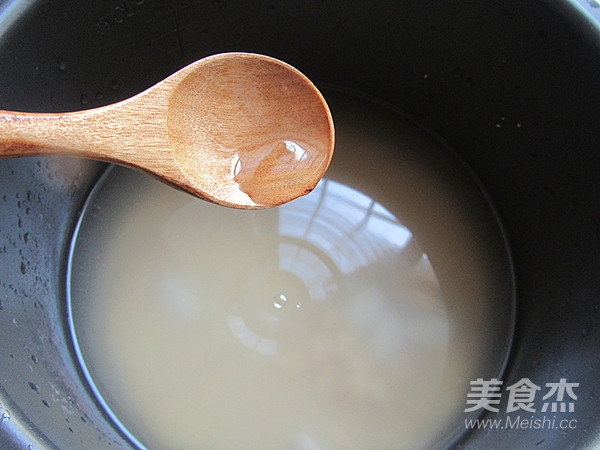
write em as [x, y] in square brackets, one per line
[353, 317]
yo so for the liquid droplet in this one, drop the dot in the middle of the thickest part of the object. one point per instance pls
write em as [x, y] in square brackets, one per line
[62, 64]
[273, 169]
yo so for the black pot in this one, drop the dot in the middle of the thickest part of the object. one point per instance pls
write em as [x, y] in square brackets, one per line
[512, 86]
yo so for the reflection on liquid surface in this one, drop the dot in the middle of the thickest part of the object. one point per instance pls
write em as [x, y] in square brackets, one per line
[329, 243]
[353, 317]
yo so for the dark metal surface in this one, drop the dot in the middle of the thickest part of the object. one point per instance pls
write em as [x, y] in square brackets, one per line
[513, 86]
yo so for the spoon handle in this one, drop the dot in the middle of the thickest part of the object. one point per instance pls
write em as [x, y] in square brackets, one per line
[124, 133]
[30, 134]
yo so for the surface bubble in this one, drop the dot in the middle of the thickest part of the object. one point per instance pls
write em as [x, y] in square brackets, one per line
[280, 301]
[4, 415]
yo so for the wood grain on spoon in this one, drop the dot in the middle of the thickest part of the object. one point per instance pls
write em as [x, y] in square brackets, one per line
[237, 129]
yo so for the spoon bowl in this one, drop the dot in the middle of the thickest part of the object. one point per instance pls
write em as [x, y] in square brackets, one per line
[237, 129]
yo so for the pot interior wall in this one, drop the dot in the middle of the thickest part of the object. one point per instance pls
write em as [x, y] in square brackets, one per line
[513, 87]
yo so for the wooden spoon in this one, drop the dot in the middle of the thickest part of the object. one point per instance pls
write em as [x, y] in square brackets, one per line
[237, 129]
